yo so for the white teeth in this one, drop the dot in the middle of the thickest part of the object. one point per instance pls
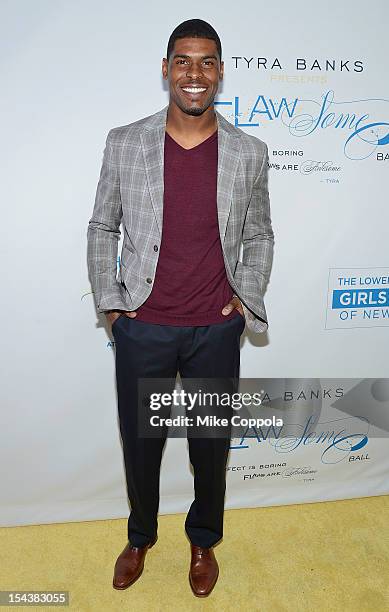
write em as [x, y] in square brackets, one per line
[194, 89]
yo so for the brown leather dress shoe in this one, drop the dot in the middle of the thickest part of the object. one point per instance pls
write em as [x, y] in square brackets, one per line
[204, 571]
[129, 565]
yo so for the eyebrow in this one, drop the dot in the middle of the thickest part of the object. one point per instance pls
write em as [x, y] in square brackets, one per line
[188, 56]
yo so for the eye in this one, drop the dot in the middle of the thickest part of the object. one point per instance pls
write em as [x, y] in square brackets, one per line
[181, 61]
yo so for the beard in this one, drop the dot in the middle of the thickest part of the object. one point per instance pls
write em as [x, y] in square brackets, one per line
[194, 111]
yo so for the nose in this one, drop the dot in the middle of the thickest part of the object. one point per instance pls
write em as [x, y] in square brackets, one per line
[194, 71]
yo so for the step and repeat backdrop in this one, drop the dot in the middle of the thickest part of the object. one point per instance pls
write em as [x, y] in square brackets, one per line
[309, 81]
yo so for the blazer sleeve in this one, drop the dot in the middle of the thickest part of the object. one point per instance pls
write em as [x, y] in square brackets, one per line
[258, 235]
[103, 234]
[258, 242]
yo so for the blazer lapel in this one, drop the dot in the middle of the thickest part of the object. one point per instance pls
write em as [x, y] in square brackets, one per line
[153, 140]
[229, 145]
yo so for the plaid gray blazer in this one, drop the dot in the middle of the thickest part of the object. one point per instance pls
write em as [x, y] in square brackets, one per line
[130, 192]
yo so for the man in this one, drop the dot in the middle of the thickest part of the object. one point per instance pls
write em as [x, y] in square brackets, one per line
[187, 187]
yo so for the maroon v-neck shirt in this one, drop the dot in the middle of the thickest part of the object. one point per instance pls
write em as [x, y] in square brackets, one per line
[190, 285]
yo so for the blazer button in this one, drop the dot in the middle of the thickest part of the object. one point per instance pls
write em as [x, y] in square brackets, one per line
[155, 247]
[149, 280]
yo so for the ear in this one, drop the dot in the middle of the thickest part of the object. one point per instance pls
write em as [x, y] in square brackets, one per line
[165, 68]
[221, 71]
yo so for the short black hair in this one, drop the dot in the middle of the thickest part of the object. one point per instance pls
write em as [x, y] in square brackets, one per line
[194, 28]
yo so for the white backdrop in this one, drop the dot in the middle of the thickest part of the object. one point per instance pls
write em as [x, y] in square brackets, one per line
[70, 72]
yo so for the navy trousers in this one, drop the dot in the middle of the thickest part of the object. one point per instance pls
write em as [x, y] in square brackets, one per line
[145, 350]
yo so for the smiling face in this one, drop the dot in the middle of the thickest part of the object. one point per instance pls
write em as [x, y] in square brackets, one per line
[193, 72]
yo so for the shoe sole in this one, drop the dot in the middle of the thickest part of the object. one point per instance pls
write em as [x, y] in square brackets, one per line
[203, 594]
[122, 588]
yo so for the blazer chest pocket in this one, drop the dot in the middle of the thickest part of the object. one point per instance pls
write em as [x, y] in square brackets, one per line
[242, 188]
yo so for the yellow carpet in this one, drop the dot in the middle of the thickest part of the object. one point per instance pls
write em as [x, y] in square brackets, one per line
[299, 558]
